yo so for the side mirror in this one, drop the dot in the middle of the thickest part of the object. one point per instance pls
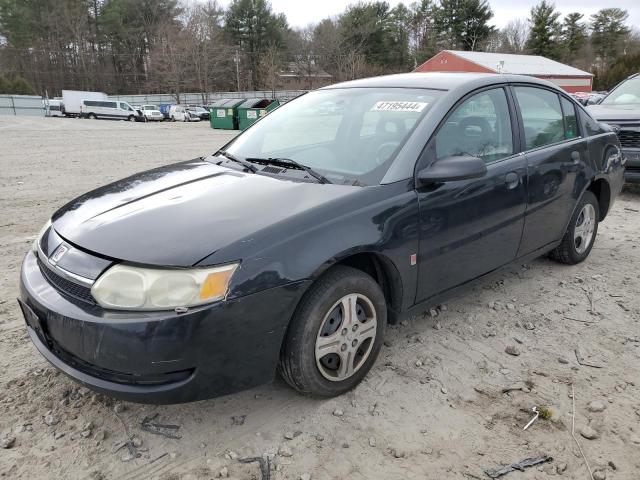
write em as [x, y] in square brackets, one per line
[451, 169]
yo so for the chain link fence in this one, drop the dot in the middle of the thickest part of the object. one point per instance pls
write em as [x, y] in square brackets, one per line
[21, 105]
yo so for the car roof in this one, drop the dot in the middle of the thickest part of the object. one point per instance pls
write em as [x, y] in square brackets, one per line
[438, 80]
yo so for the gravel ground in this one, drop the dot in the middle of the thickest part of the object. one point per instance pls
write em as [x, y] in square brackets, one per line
[444, 401]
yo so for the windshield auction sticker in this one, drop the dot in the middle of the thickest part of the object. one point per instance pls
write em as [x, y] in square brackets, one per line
[399, 106]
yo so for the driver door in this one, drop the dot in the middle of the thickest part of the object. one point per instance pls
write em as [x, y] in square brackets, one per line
[470, 227]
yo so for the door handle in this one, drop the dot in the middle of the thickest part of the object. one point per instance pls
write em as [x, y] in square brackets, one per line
[512, 180]
[575, 156]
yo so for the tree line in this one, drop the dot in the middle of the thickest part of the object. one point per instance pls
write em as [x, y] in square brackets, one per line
[158, 46]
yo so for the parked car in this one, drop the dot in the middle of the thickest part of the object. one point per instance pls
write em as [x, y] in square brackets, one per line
[192, 115]
[151, 113]
[621, 110]
[293, 246]
[93, 109]
[201, 112]
[178, 113]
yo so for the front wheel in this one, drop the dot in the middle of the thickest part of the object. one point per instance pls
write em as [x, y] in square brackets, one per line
[581, 232]
[335, 334]
[132, 118]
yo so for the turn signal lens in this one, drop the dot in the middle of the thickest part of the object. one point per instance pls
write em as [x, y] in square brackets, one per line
[216, 284]
[126, 287]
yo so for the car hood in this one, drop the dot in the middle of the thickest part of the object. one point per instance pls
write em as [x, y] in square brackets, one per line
[615, 112]
[179, 214]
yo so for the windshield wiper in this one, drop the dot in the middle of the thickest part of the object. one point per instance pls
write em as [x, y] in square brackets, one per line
[288, 162]
[233, 158]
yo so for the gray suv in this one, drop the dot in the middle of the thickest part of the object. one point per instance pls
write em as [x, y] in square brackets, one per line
[621, 110]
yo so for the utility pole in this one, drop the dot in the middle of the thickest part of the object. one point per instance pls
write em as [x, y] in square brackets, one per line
[236, 60]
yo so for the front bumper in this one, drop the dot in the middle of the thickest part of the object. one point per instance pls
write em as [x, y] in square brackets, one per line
[632, 168]
[158, 357]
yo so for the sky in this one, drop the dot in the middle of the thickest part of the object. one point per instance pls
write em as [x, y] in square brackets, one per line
[300, 13]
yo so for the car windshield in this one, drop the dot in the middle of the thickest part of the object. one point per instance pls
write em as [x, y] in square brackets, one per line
[628, 93]
[350, 136]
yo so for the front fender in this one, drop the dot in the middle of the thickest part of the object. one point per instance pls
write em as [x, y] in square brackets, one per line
[382, 220]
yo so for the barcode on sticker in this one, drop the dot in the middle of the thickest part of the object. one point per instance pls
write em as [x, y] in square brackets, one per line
[399, 106]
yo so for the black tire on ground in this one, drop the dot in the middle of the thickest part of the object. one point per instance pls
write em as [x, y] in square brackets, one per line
[571, 250]
[298, 365]
[92, 116]
[131, 118]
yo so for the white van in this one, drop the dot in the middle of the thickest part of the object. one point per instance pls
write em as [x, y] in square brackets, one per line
[107, 109]
[53, 108]
[177, 113]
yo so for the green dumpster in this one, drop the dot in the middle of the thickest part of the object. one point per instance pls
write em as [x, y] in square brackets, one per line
[253, 109]
[223, 113]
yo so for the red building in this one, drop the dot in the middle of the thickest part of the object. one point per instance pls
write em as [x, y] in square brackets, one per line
[569, 78]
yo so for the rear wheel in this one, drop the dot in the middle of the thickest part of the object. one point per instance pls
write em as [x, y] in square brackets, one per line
[92, 116]
[581, 232]
[335, 335]
[131, 118]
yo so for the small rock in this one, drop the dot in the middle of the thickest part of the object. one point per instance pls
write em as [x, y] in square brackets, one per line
[512, 350]
[438, 326]
[372, 441]
[443, 308]
[7, 442]
[419, 363]
[433, 312]
[345, 445]
[100, 435]
[589, 433]
[387, 343]
[404, 323]
[85, 433]
[563, 360]
[232, 455]
[87, 426]
[561, 468]
[529, 326]
[50, 419]
[635, 439]
[119, 407]
[305, 476]
[289, 435]
[511, 306]
[600, 475]
[397, 453]
[223, 473]
[596, 406]
[136, 442]
[443, 390]
[338, 412]
[285, 451]
[505, 371]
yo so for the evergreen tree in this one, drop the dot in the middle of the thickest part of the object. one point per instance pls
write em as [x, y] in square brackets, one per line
[574, 35]
[463, 24]
[607, 32]
[545, 29]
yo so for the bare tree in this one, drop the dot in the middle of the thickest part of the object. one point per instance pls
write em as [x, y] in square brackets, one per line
[514, 36]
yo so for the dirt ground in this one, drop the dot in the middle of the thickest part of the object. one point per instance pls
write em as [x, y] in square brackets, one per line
[444, 400]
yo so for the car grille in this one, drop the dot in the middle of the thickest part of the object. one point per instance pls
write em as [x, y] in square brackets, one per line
[629, 138]
[67, 287]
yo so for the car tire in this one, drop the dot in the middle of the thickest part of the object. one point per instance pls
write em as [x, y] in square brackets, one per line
[320, 337]
[581, 233]
[92, 116]
[131, 118]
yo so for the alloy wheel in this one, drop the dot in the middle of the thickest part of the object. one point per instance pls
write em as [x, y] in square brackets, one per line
[585, 226]
[346, 337]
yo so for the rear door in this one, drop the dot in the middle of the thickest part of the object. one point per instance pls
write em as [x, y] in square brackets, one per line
[470, 227]
[556, 155]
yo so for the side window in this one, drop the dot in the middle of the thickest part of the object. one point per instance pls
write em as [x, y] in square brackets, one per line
[570, 119]
[480, 127]
[541, 116]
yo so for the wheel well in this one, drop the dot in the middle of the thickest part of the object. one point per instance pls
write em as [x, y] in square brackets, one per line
[385, 274]
[600, 188]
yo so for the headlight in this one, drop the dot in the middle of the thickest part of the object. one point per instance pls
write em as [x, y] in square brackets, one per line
[124, 287]
[42, 231]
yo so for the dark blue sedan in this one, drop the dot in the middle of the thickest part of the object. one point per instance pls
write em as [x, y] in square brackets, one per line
[292, 247]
